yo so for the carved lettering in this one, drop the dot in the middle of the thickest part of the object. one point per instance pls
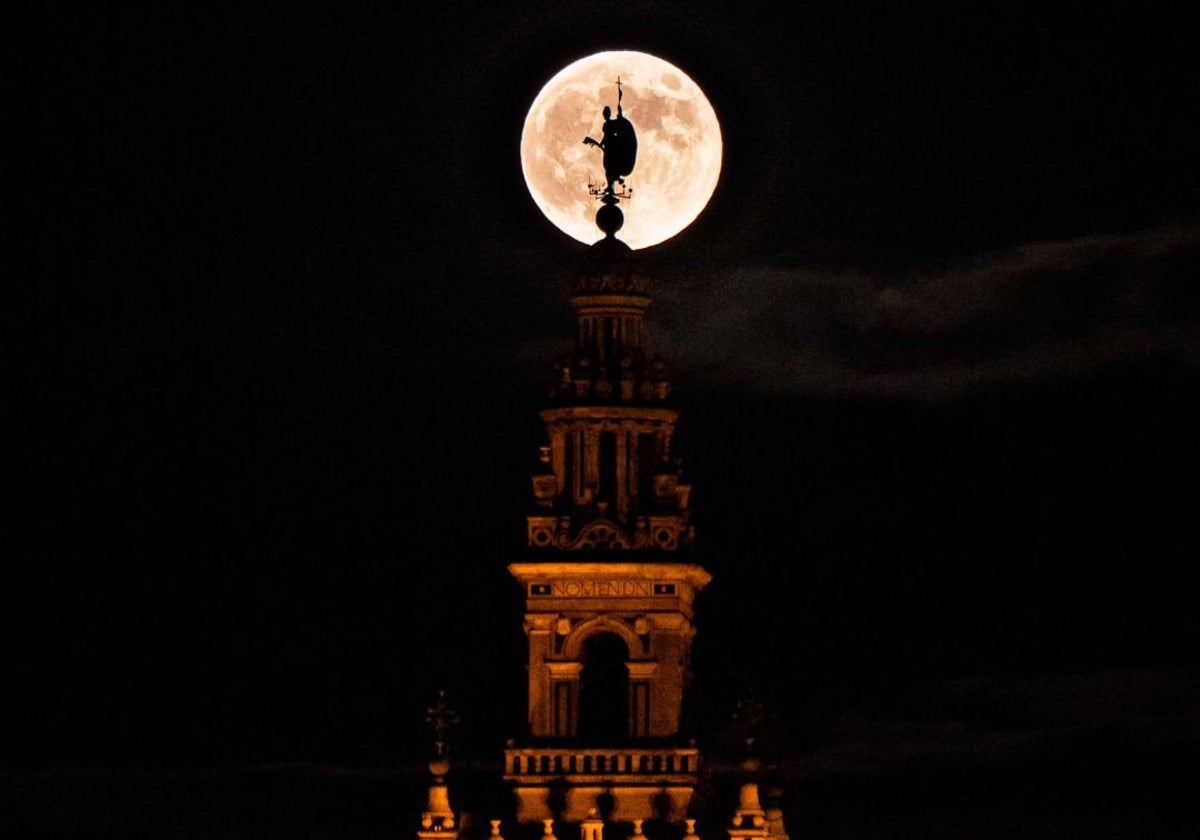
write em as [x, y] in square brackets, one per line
[612, 283]
[613, 588]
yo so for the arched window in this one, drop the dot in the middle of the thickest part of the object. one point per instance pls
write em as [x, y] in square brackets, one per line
[604, 690]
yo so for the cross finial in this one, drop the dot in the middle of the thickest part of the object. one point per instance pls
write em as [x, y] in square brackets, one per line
[441, 718]
[748, 717]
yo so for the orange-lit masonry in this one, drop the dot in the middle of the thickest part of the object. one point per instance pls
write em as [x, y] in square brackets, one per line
[609, 581]
[640, 617]
[609, 589]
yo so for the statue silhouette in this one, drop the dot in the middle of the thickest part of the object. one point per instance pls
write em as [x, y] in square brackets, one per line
[619, 144]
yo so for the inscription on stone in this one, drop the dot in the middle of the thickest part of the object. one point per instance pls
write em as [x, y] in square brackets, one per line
[602, 588]
[611, 283]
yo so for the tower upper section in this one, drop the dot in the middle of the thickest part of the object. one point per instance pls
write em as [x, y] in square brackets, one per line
[607, 478]
[611, 363]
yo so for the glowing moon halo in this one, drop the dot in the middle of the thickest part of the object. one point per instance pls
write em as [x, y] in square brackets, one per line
[679, 146]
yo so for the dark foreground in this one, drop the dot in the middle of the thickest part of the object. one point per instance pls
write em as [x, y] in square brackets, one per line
[1081, 795]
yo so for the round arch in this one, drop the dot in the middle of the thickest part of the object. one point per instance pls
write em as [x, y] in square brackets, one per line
[573, 645]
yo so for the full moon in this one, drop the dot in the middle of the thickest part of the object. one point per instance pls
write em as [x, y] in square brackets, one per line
[678, 155]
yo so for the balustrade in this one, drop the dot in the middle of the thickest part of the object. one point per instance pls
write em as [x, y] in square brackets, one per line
[589, 762]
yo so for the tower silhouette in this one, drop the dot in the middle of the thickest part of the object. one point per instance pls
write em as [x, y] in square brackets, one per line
[609, 580]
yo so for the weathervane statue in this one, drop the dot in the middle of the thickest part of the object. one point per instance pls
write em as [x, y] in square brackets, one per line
[619, 144]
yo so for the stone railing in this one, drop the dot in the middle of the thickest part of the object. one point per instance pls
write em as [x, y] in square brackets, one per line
[530, 763]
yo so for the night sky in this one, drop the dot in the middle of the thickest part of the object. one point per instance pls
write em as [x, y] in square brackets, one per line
[291, 314]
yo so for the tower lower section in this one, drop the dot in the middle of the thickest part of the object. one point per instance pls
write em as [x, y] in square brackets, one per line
[609, 657]
[621, 784]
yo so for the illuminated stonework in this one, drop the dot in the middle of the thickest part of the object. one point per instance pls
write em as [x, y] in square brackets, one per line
[648, 606]
[609, 589]
[608, 479]
[630, 751]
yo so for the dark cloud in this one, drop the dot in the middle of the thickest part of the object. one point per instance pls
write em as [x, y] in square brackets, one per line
[1034, 312]
[1006, 718]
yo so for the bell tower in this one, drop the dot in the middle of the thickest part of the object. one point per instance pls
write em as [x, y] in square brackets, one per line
[608, 580]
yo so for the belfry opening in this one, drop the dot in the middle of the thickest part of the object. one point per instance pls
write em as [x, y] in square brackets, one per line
[605, 711]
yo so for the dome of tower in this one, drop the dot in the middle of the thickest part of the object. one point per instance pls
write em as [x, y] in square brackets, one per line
[607, 268]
